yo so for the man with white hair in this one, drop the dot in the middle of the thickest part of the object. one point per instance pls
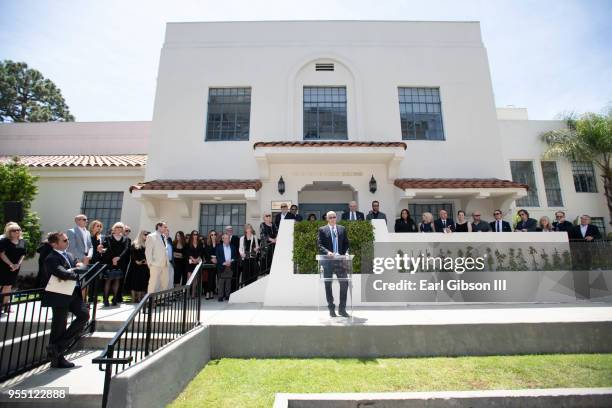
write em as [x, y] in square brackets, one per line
[333, 240]
[352, 214]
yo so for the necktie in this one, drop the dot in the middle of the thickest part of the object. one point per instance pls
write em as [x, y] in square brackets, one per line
[164, 240]
[335, 240]
[498, 226]
[444, 223]
[352, 216]
[67, 258]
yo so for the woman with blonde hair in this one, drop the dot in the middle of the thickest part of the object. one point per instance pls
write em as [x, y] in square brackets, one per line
[544, 225]
[427, 223]
[139, 271]
[249, 251]
[12, 253]
[116, 257]
[97, 238]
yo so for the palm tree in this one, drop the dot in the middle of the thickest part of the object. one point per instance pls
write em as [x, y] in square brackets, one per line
[587, 138]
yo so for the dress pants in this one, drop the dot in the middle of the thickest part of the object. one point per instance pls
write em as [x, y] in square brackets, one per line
[329, 268]
[158, 278]
[225, 281]
[60, 336]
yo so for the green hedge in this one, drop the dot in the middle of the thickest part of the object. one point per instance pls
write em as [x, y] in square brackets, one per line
[360, 235]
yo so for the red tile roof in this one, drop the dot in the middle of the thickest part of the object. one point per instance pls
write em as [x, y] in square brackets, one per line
[118, 160]
[414, 183]
[329, 143]
[197, 185]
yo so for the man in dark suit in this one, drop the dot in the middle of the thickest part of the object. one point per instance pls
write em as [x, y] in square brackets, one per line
[227, 262]
[444, 224]
[499, 225]
[332, 240]
[63, 265]
[525, 224]
[352, 214]
[294, 211]
[585, 231]
[561, 224]
[581, 237]
[234, 241]
[283, 215]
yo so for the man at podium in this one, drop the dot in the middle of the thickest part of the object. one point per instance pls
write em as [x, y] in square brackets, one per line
[332, 240]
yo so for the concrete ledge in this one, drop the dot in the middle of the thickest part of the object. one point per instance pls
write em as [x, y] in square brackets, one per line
[156, 381]
[540, 398]
[363, 341]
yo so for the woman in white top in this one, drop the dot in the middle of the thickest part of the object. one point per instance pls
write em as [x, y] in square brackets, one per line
[249, 250]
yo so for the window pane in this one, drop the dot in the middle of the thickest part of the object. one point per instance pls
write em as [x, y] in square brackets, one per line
[104, 206]
[426, 123]
[584, 177]
[229, 112]
[325, 113]
[551, 183]
[417, 210]
[522, 172]
[218, 216]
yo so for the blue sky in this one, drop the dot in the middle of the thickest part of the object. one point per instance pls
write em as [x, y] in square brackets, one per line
[547, 56]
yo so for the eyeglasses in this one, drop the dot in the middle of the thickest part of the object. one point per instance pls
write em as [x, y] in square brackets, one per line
[331, 216]
[267, 216]
[497, 213]
[65, 240]
[214, 233]
[16, 230]
[476, 215]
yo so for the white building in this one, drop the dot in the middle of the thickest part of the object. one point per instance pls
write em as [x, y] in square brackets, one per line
[326, 105]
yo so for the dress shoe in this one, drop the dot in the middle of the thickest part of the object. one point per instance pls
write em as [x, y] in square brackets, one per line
[220, 299]
[343, 313]
[332, 312]
[61, 362]
[106, 304]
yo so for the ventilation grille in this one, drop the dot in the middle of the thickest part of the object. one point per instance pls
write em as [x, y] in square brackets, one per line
[324, 67]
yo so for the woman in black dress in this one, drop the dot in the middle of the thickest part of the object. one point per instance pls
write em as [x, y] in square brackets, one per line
[267, 233]
[462, 225]
[405, 223]
[180, 261]
[427, 223]
[139, 270]
[12, 254]
[210, 275]
[116, 257]
[249, 250]
[194, 252]
[97, 238]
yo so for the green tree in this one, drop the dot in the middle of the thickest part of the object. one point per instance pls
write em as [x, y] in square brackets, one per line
[27, 96]
[586, 138]
[18, 184]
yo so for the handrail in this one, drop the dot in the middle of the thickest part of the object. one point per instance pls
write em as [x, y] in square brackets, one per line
[24, 348]
[151, 326]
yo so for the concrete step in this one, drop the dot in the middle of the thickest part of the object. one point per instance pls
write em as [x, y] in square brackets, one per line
[100, 339]
[84, 384]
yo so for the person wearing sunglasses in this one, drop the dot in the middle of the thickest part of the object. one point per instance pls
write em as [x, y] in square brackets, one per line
[12, 253]
[61, 264]
[80, 240]
[499, 225]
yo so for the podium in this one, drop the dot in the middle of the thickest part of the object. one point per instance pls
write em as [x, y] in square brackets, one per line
[336, 268]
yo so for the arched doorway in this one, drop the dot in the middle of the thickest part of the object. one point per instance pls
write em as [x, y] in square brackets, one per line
[322, 196]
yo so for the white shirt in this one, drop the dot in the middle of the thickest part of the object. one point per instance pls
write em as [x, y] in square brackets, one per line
[227, 251]
[85, 235]
[353, 216]
[283, 215]
[64, 255]
[583, 230]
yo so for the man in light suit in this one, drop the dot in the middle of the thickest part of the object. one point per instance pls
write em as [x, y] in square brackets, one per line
[63, 266]
[227, 266]
[157, 258]
[499, 225]
[80, 240]
[332, 240]
[352, 214]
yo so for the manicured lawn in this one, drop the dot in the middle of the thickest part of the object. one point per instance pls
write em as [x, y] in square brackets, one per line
[253, 383]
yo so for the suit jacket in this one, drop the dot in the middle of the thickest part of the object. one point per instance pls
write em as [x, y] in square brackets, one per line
[401, 226]
[221, 259]
[359, 214]
[326, 244]
[592, 230]
[56, 264]
[530, 225]
[298, 218]
[563, 226]
[288, 216]
[505, 226]
[155, 250]
[450, 223]
[76, 246]
[378, 216]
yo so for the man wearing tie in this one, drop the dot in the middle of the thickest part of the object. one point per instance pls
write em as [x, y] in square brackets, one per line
[332, 240]
[80, 240]
[63, 266]
[352, 214]
[444, 224]
[227, 257]
[156, 253]
[499, 225]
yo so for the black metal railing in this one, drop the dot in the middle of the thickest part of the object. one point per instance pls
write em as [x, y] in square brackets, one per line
[26, 328]
[157, 320]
